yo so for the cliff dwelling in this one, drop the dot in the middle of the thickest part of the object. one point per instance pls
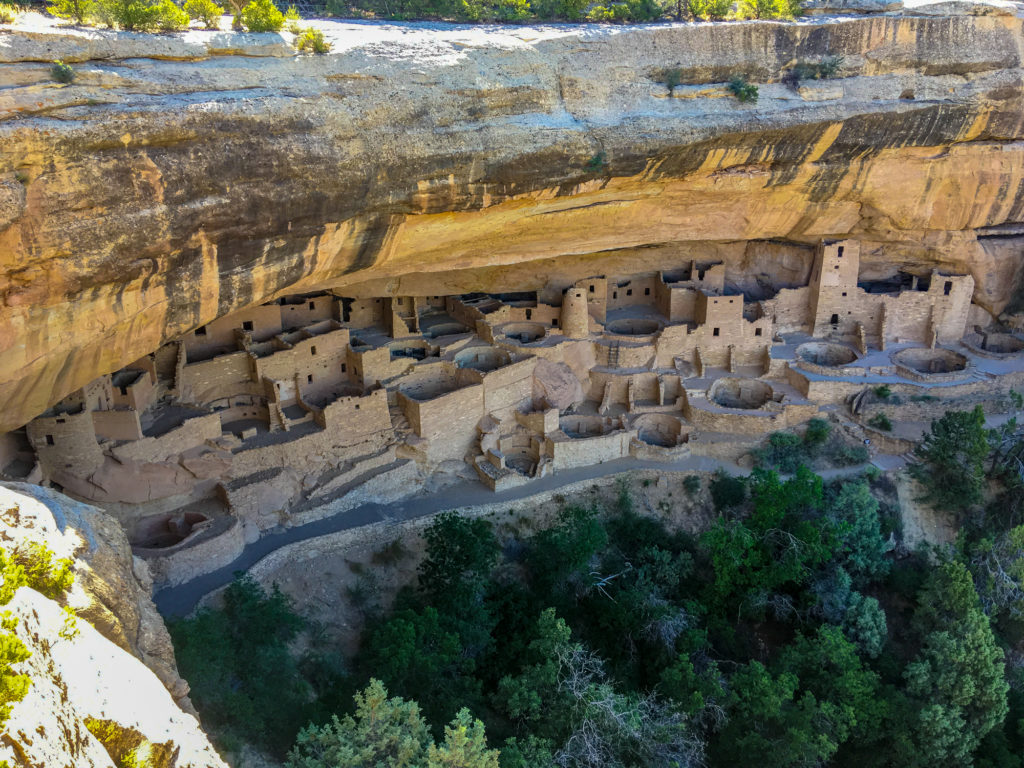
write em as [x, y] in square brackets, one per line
[271, 415]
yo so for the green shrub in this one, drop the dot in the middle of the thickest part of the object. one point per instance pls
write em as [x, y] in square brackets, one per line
[61, 72]
[710, 9]
[691, 484]
[669, 77]
[742, 90]
[597, 163]
[727, 491]
[570, 10]
[495, 10]
[171, 16]
[849, 455]
[29, 565]
[817, 431]
[769, 9]
[79, 11]
[312, 41]
[880, 421]
[629, 10]
[142, 15]
[205, 11]
[784, 451]
[33, 565]
[825, 69]
[262, 16]
[391, 554]
[882, 392]
[8, 13]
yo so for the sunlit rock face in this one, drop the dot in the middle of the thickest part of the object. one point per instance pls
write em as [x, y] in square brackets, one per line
[111, 589]
[103, 686]
[177, 180]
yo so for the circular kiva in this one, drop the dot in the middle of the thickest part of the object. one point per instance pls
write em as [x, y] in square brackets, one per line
[748, 394]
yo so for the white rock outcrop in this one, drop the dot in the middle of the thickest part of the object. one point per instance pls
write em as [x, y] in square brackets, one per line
[81, 684]
[112, 669]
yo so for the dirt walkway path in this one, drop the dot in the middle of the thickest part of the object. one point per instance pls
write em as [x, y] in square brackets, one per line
[182, 599]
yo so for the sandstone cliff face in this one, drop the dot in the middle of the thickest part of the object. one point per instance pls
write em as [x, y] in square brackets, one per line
[106, 685]
[185, 176]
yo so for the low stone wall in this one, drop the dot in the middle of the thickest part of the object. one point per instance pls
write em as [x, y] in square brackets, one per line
[886, 442]
[226, 376]
[192, 433]
[187, 561]
[567, 453]
[311, 452]
[754, 422]
[117, 425]
[641, 450]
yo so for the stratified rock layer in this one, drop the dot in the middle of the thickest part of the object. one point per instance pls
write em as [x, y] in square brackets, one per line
[177, 179]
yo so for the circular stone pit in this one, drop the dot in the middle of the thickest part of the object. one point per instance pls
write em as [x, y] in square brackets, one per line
[163, 531]
[930, 362]
[659, 429]
[734, 392]
[633, 326]
[1002, 344]
[482, 359]
[826, 354]
[445, 329]
[524, 333]
[581, 427]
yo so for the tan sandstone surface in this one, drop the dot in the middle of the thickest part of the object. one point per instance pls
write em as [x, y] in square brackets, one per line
[106, 682]
[181, 177]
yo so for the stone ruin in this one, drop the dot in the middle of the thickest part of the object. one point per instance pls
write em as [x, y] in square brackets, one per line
[276, 414]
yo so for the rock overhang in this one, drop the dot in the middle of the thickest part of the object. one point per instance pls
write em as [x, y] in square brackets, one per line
[159, 193]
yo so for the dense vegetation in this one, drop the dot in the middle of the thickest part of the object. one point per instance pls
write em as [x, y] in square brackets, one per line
[265, 16]
[27, 565]
[615, 11]
[818, 447]
[789, 630]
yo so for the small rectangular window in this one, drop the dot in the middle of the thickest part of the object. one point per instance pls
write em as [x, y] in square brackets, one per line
[312, 305]
[757, 331]
[309, 378]
[615, 294]
[837, 266]
[247, 325]
[629, 291]
[647, 291]
[844, 294]
[591, 289]
[714, 332]
[840, 251]
[529, 314]
[343, 367]
[49, 439]
[948, 288]
[554, 322]
[61, 421]
[312, 350]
